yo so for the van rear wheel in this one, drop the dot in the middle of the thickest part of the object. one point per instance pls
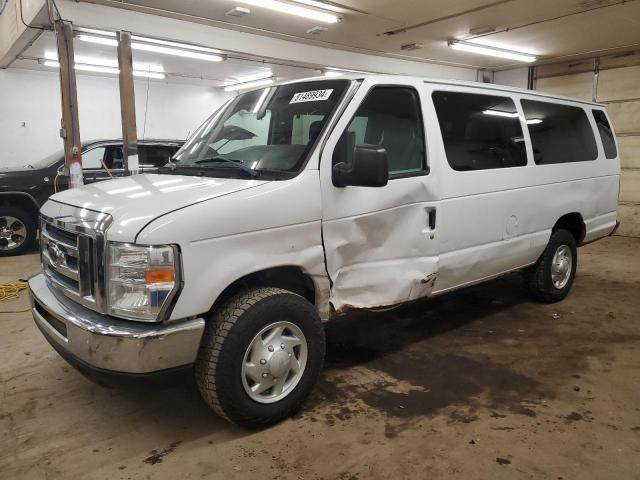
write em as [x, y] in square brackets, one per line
[260, 356]
[550, 278]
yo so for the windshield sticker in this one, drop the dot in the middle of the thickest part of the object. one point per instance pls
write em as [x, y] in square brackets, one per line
[313, 96]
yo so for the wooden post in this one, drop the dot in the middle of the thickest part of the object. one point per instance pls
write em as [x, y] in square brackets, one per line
[70, 128]
[127, 105]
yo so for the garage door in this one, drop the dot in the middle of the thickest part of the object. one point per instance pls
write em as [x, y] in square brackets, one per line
[617, 85]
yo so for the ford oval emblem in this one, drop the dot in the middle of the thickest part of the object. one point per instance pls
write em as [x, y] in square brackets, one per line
[56, 254]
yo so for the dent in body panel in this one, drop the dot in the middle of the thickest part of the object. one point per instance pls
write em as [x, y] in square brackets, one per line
[382, 258]
[227, 238]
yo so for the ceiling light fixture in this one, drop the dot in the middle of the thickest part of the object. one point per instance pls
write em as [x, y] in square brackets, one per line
[82, 67]
[242, 86]
[322, 5]
[297, 10]
[184, 46]
[107, 62]
[249, 78]
[492, 51]
[188, 51]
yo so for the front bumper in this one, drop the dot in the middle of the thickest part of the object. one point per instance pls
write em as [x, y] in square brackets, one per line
[92, 341]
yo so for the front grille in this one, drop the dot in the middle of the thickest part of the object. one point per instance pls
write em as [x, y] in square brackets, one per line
[72, 248]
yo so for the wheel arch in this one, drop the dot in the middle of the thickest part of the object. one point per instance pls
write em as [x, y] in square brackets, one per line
[574, 223]
[287, 277]
[21, 200]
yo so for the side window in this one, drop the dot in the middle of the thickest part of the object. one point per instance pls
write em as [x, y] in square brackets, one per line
[154, 155]
[114, 159]
[559, 133]
[606, 134]
[389, 117]
[92, 159]
[480, 131]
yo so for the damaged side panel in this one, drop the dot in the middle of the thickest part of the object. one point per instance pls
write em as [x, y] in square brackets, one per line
[381, 258]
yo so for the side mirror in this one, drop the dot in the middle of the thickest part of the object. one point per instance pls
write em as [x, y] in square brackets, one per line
[369, 168]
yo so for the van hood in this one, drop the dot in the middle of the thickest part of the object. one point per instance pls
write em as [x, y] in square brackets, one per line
[135, 201]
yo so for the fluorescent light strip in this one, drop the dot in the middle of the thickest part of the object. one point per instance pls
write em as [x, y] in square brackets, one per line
[145, 47]
[174, 44]
[321, 5]
[250, 78]
[534, 121]
[106, 62]
[242, 86]
[292, 9]
[173, 51]
[105, 69]
[159, 41]
[99, 40]
[95, 31]
[491, 51]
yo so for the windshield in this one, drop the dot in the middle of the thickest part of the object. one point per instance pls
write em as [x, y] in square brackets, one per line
[268, 130]
[49, 160]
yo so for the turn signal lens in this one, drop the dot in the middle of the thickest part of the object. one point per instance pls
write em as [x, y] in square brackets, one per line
[159, 275]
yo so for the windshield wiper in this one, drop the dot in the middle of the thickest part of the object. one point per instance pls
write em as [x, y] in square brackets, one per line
[251, 171]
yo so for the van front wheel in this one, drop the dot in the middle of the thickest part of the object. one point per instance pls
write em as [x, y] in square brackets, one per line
[550, 278]
[260, 356]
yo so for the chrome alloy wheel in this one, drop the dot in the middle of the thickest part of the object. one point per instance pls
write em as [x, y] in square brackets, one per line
[561, 266]
[274, 362]
[13, 232]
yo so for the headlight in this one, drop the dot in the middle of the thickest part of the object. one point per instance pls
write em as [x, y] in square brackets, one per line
[141, 280]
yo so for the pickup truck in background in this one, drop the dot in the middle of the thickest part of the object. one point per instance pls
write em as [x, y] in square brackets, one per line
[23, 190]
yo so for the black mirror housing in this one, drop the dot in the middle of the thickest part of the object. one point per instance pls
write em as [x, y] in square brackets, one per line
[369, 168]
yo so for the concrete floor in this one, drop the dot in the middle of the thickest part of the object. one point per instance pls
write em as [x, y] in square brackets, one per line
[479, 384]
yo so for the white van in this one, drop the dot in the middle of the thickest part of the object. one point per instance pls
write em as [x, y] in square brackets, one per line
[302, 200]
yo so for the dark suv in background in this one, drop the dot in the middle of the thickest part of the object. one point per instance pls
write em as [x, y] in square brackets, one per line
[24, 189]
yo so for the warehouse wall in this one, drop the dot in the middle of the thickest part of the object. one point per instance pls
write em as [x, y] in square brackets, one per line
[614, 81]
[33, 97]
[516, 77]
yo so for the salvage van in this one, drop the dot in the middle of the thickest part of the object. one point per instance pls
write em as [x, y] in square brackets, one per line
[299, 201]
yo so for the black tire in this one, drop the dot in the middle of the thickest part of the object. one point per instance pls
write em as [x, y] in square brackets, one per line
[224, 344]
[539, 284]
[30, 224]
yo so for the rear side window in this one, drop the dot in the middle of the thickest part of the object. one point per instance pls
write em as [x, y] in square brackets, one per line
[389, 117]
[606, 134]
[480, 131]
[559, 133]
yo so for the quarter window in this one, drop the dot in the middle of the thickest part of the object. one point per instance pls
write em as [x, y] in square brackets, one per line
[606, 134]
[559, 133]
[389, 117]
[480, 131]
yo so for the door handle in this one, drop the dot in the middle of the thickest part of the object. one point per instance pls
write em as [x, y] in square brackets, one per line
[432, 219]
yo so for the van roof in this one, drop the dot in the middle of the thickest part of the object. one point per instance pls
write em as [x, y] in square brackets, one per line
[441, 81]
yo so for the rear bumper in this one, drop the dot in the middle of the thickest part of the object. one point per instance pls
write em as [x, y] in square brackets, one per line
[97, 343]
